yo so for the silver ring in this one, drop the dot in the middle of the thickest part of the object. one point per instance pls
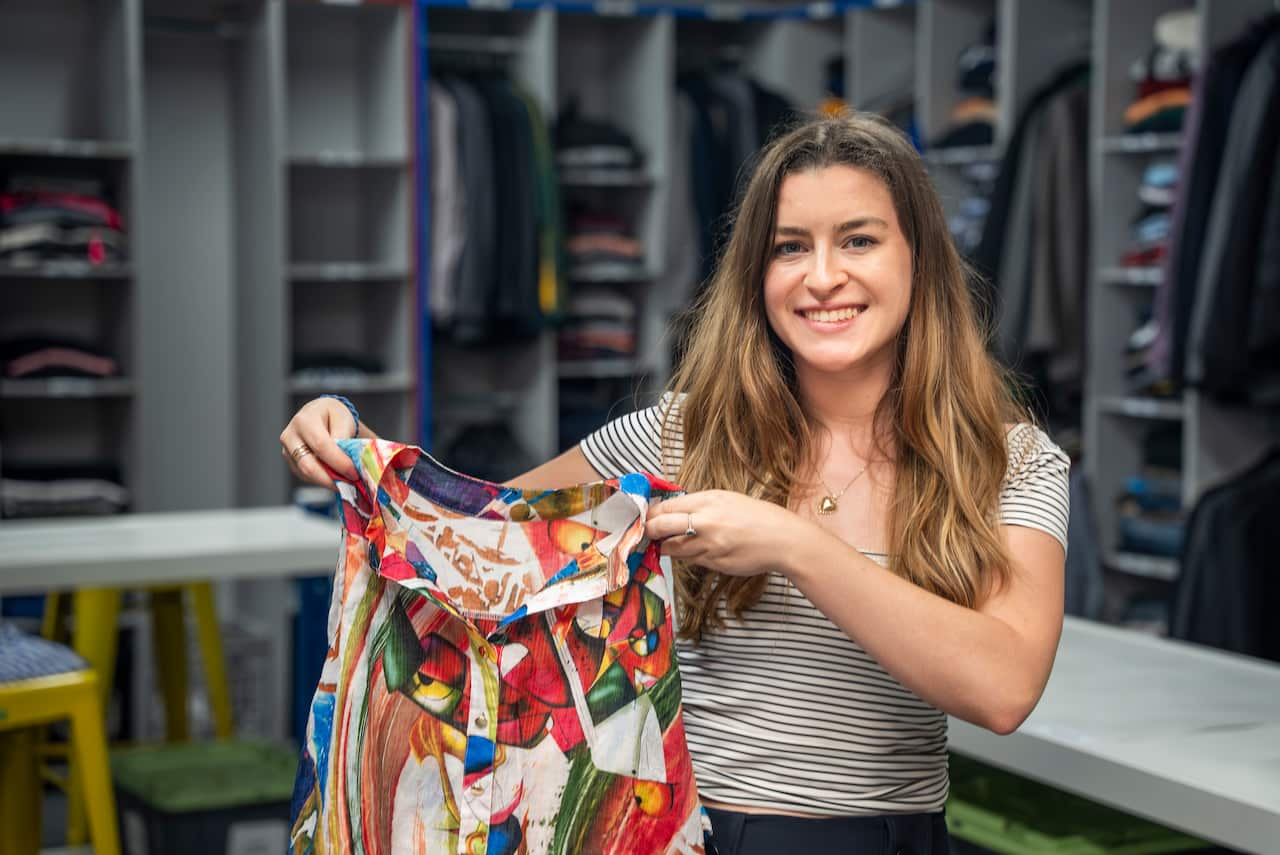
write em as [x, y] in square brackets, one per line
[690, 531]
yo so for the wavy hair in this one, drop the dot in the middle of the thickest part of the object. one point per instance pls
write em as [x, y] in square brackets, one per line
[739, 414]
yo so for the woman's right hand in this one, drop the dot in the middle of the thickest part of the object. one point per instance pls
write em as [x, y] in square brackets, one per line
[309, 442]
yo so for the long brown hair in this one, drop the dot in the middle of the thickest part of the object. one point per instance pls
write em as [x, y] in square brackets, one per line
[734, 397]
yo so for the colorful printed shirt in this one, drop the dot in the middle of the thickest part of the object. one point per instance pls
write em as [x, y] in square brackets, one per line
[501, 674]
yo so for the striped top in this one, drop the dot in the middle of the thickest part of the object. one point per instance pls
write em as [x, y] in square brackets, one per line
[783, 711]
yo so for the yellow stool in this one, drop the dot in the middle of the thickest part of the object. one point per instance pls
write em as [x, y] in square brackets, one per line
[96, 614]
[26, 704]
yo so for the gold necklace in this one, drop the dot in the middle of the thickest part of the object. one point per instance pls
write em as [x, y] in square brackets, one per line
[827, 504]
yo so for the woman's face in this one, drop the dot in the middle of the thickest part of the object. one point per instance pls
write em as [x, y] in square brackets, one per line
[838, 283]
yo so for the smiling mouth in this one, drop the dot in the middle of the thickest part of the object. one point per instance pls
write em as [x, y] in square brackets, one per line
[833, 315]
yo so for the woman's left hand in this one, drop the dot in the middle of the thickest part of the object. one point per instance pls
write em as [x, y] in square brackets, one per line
[736, 534]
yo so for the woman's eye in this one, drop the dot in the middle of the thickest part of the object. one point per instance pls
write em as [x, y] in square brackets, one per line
[861, 242]
[790, 247]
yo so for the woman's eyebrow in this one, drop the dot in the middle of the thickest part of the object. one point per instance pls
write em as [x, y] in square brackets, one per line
[861, 223]
[847, 226]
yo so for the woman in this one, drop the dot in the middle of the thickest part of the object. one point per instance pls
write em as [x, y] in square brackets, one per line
[872, 538]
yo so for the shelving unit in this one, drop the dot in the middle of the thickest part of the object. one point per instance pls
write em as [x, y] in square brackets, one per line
[1216, 441]
[69, 72]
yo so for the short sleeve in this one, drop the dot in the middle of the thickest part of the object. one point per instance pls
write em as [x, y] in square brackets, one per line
[633, 443]
[1036, 491]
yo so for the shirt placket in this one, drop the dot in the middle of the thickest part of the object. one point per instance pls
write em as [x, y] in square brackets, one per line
[476, 801]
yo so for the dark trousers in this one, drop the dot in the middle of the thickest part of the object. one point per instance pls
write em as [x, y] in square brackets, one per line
[771, 834]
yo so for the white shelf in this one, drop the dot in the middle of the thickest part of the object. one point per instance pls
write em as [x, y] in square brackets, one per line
[376, 383]
[66, 269]
[59, 147]
[1141, 143]
[606, 275]
[1143, 408]
[1150, 566]
[346, 160]
[605, 178]
[590, 369]
[66, 387]
[1137, 276]
[962, 155]
[347, 271]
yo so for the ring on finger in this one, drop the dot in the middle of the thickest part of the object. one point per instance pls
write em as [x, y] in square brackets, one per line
[690, 531]
[300, 452]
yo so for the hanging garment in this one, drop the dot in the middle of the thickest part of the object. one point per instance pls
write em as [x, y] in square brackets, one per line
[1227, 590]
[1217, 351]
[1200, 163]
[501, 674]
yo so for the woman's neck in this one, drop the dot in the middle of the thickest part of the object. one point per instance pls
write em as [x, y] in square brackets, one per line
[844, 410]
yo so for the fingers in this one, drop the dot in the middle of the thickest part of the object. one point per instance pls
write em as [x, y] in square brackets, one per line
[307, 444]
[321, 435]
[670, 520]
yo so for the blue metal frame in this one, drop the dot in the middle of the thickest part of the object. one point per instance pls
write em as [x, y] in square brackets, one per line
[721, 11]
[423, 242]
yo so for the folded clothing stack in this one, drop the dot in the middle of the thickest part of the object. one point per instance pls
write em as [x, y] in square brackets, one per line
[37, 357]
[61, 489]
[973, 118]
[586, 143]
[598, 325]
[47, 218]
[602, 245]
[323, 367]
[1152, 521]
[1162, 77]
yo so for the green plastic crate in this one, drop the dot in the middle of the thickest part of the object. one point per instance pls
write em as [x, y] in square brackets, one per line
[210, 798]
[1004, 813]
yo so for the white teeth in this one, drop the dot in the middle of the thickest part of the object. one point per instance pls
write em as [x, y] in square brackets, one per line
[825, 316]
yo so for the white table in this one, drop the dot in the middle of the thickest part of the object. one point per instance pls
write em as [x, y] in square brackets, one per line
[164, 548]
[1182, 734]
[96, 557]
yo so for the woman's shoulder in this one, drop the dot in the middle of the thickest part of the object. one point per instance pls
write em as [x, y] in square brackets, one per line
[1033, 455]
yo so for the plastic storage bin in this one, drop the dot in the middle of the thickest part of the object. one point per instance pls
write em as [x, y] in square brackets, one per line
[1004, 813]
[219, 798]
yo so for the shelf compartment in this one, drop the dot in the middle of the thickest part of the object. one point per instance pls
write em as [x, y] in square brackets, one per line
[1149, 566]
[1141, 143]
[379, 383]
[1136, 276]
[1143, 408]
[347, 271]
[347, 76]
[66, 269]
[66, 387]
[349, 215]
[63, 78]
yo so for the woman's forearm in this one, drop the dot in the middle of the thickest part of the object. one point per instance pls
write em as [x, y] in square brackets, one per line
[968, 664]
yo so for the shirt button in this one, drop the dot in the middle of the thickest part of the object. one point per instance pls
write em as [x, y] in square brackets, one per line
[481, 721]
[477, 788]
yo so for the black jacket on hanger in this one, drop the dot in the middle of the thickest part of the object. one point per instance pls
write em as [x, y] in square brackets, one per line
[1218, 359]
[986, 258]
[1228, 587]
